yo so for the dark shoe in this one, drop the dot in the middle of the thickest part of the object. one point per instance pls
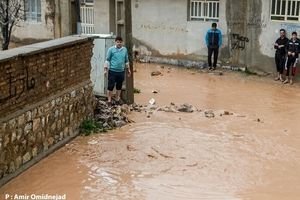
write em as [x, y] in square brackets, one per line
[119, 103]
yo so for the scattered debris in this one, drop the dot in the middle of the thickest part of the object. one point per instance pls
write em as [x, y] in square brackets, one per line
[154, 91]
[151, 156]
[209, 114]
[152, 101]
[161, 154]
[131, 148]
[93, 142]
[136, 91]
[168, 109]
[192, 165]
[156, 73]
[111, 117]
[162, 67]
[226, 113]
[186, 108]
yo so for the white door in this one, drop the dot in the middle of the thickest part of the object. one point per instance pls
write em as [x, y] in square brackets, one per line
[97, 62]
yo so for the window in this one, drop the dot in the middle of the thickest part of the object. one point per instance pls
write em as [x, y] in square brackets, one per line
[33, 10]
[87, 2]
[204, 10]
[285, 10]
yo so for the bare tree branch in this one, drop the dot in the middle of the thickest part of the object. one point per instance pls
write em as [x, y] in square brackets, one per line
[11, 13]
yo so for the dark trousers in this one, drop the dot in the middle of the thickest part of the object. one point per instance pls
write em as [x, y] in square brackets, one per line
[115, 79]
[289, 64]
[214, 51]
[280, 61]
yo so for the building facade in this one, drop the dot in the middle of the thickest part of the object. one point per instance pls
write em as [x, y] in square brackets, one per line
[176, 28]
[44, 20]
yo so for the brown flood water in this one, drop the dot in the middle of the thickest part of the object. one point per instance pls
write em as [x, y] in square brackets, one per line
[185, 156]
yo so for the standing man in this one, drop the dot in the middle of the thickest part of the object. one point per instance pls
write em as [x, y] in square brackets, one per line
[213, 41]
[115, 64]
[280, 55]
[293, 51]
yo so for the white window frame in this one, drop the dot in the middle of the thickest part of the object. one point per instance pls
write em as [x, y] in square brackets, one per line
[33, 9]
[88, 2]
[204, 10]
[87, 17]
[279, 10]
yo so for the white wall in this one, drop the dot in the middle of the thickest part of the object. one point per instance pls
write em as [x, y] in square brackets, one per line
[36, 30]
[270, 30]
[163, 25]
[101, 13]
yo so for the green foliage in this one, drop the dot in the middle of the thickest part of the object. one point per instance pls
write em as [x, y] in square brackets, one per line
[89, 127]
[136, 91]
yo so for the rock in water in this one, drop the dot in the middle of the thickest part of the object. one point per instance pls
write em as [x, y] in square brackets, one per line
[209, 114]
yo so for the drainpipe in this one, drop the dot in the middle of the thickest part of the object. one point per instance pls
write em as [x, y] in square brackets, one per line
[78, 16]
[57, 19]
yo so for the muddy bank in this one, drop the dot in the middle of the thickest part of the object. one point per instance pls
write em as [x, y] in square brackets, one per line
[185, 155]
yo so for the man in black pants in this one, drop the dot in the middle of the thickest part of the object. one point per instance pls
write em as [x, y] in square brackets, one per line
[115, 65]
[213, 41]
[280, 55]
[293, 50]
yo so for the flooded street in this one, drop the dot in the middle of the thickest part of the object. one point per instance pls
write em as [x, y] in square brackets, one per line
[251, 154]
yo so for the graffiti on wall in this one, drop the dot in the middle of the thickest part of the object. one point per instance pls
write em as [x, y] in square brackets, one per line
[17, 84]
[163, 27]
[238, 41]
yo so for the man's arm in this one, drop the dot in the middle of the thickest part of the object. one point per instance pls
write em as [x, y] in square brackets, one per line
[276, 44]
[127, 63]
[207, 38]
[107, 61]
[220, 39]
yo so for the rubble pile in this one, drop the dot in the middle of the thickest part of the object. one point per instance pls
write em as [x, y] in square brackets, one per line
[111, 117]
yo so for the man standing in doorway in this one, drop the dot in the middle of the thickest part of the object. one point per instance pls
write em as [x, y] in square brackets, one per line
[115, 64]
[280, 46]
[213, 41]
[293, 50]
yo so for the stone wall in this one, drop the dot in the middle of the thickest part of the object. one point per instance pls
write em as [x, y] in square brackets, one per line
[45, 94]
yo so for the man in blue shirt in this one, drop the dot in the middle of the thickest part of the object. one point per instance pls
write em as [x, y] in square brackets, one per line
[213, 41]
[115, 64]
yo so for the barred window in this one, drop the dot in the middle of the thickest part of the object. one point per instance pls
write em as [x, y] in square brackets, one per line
[285, 10]
[33, 10]
[204, 10]
[87, 2]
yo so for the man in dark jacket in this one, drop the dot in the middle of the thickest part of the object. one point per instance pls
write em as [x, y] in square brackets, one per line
[213, 41]
[280, 55]
[293, 50]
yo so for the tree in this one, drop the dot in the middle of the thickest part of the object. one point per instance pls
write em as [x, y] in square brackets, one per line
[11, 12]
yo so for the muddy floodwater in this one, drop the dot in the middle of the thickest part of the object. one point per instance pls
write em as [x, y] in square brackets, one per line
[251, 154]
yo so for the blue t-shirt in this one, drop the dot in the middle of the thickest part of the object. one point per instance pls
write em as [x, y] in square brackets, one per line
[117, 58]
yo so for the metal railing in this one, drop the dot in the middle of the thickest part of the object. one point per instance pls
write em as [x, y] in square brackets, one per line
[87, 19]
[285, 10]
[204, 10]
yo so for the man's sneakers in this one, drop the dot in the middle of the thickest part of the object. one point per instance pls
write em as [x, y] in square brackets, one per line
[286, 81]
